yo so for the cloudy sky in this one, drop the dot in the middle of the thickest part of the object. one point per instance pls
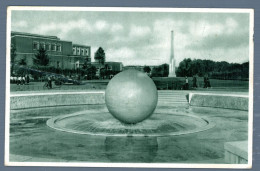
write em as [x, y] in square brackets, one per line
[143, 38]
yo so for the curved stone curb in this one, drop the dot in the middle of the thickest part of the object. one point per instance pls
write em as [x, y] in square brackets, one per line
[51, 123]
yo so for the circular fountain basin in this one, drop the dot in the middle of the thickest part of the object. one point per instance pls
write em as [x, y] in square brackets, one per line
[160, 124]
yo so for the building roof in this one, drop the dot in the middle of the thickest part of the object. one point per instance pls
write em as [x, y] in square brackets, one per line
[14, 33]
[79, 45]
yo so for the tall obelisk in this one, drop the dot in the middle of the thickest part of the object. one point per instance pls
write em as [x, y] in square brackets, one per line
[172, 60]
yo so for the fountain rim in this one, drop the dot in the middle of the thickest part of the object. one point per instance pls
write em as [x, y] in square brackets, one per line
[51, 123]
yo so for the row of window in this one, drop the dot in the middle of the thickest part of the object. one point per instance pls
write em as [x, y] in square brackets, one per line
[47, 46]
[80, 51]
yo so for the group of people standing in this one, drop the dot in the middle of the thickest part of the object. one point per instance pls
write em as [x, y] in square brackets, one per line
[20, 80]
[195, 82]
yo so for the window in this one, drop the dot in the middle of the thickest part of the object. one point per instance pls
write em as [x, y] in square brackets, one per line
[86, 52]
[58, 64]
[82, 51]
[36, 45]
[59, 48]
[78, 51]
[53, 47]
[42, 45]
[48, 46]
[74, 51]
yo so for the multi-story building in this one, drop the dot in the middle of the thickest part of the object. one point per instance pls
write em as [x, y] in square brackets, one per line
[62, 54]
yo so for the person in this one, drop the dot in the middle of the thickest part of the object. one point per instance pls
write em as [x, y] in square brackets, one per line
[27, 79]
[23, 80]
[205, 82]
[194, 80]
[12, 79]
[49, 82]
[19, 81]
[186, 83]
[15, 79]
[208, 83]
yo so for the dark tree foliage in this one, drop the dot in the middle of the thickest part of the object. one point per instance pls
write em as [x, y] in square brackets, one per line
[41, 58]
[105, 72]
[160, 71]
[91, 72]
[22, 61]
[147, 69]
[13, 55]
[100, 56]
[87, 63]
[165, 70]
[217, 70]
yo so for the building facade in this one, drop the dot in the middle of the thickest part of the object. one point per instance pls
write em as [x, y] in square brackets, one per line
[62, 54]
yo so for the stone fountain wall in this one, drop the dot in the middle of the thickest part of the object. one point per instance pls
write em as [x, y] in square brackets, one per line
[21, 101]
[227, 101]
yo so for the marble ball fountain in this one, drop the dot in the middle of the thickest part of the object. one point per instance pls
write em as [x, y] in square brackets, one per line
[131, 96]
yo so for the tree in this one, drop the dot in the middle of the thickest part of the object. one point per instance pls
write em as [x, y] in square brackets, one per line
[91, 72]
[41, 58]
[165, 70]
[147, 69]
[161, 71]
[87, 63]
[217, 70]
[13, 55]
[100, 56]
[23, 61]
[184, 68]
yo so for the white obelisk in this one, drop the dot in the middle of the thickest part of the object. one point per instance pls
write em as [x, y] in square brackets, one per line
[172, 60]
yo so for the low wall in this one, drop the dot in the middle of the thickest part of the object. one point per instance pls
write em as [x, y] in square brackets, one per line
[20, 101]
[236, 152]
[239, 102]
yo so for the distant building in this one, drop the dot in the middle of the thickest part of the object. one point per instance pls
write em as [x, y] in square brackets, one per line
[137, 67]
[114, 67]
[62, 54]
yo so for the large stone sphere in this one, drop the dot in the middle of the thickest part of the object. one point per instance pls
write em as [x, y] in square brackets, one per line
[131, 96]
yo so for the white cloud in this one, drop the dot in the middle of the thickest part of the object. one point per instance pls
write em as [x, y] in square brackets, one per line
[122, 53]
[231, 25]
[115, 28]
[101, 25]
[139, 31]
[20, 24]
[62, 29]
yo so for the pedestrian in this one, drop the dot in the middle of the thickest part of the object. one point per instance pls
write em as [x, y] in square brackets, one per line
[12, 79]
[186, 83]
[27, 79]
[194, 80]
[208, 83]
[205, 82]
[19, 81]
[15, 79]
[49, 82]
[23, 80]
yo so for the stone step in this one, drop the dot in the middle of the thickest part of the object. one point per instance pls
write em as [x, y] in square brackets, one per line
[173, 102]
[170, 97]
[167, 95]
[160, 95]
[182, 94]
[176, 100]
